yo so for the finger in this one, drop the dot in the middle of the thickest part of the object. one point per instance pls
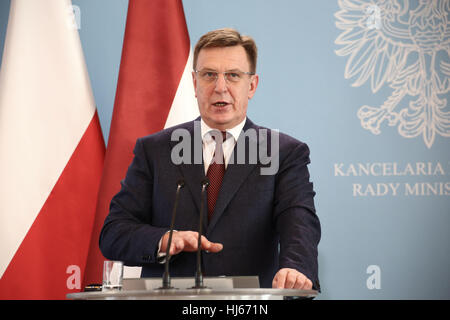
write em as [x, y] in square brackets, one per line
[291, 280]
[278, 281]
[300, 281]
[178, 245]
[185, 241]
[191, 242]
[215, 247]
[164, 243]
[210, 246]
[307, 285]
[173, 247]
[274, 282]
[205, 243]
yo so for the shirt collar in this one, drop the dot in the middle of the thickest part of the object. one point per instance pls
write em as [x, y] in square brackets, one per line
[235, 131]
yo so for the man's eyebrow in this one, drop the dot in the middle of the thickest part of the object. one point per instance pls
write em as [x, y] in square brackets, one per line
[229, 70]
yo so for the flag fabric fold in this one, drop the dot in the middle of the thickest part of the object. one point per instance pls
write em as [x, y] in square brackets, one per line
[154, 91]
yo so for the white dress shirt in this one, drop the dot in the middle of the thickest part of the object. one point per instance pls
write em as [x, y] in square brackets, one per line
[209, 144]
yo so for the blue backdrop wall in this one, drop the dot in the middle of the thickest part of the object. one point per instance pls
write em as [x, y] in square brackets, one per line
[366, 85]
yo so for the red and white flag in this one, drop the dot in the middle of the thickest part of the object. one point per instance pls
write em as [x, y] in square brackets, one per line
[154, 91]
[51, 153]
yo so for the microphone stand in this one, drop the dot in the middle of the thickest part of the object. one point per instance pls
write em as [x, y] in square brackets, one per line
[198, 273]
[166, 275]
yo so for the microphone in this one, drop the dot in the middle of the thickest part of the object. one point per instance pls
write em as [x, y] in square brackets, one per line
[166, 276]
[198, 273]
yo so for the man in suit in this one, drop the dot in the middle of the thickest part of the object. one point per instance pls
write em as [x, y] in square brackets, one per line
[258, 222]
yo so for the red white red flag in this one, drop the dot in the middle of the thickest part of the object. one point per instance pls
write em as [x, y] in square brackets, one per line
[51, 153]
[154, 91]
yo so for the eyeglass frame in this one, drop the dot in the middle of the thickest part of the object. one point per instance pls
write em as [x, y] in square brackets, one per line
[224, 75]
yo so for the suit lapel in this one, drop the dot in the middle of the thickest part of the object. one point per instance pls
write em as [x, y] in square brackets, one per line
[193, 172]
[235, 175]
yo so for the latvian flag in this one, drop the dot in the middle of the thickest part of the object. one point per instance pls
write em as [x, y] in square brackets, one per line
[154, 91]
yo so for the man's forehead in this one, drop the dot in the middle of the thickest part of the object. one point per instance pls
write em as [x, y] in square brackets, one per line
[226, 58]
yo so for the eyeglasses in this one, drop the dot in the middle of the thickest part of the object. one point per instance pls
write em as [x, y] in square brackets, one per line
[210, 76]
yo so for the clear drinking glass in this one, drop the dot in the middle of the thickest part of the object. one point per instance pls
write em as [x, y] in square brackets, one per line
[112, 275]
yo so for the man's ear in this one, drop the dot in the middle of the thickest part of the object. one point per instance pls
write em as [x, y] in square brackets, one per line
[253, 86]
[194, 80]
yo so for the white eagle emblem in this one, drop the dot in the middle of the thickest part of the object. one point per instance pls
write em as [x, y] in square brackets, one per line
[408, 47]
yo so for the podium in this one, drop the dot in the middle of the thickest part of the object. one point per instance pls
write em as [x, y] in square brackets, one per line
[219, 288]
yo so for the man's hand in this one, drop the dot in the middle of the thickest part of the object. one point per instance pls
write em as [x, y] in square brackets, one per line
[187, 241]
[291, 279]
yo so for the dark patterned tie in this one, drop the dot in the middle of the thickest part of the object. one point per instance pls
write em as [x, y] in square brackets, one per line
[216, 171]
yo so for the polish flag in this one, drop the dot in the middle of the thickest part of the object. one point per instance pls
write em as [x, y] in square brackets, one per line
[154, 91]
[51, 153]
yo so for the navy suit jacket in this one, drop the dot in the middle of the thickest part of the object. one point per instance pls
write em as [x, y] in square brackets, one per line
[265, 222]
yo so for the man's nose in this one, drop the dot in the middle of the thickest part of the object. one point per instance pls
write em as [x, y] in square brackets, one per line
[221, 83]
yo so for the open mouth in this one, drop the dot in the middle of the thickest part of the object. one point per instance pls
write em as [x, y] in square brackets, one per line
[220, 104]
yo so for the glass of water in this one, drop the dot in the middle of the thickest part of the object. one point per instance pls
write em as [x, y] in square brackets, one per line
[112, 275]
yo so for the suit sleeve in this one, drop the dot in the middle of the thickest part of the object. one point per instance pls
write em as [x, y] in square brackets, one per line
[127, 233]
[295, 216]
